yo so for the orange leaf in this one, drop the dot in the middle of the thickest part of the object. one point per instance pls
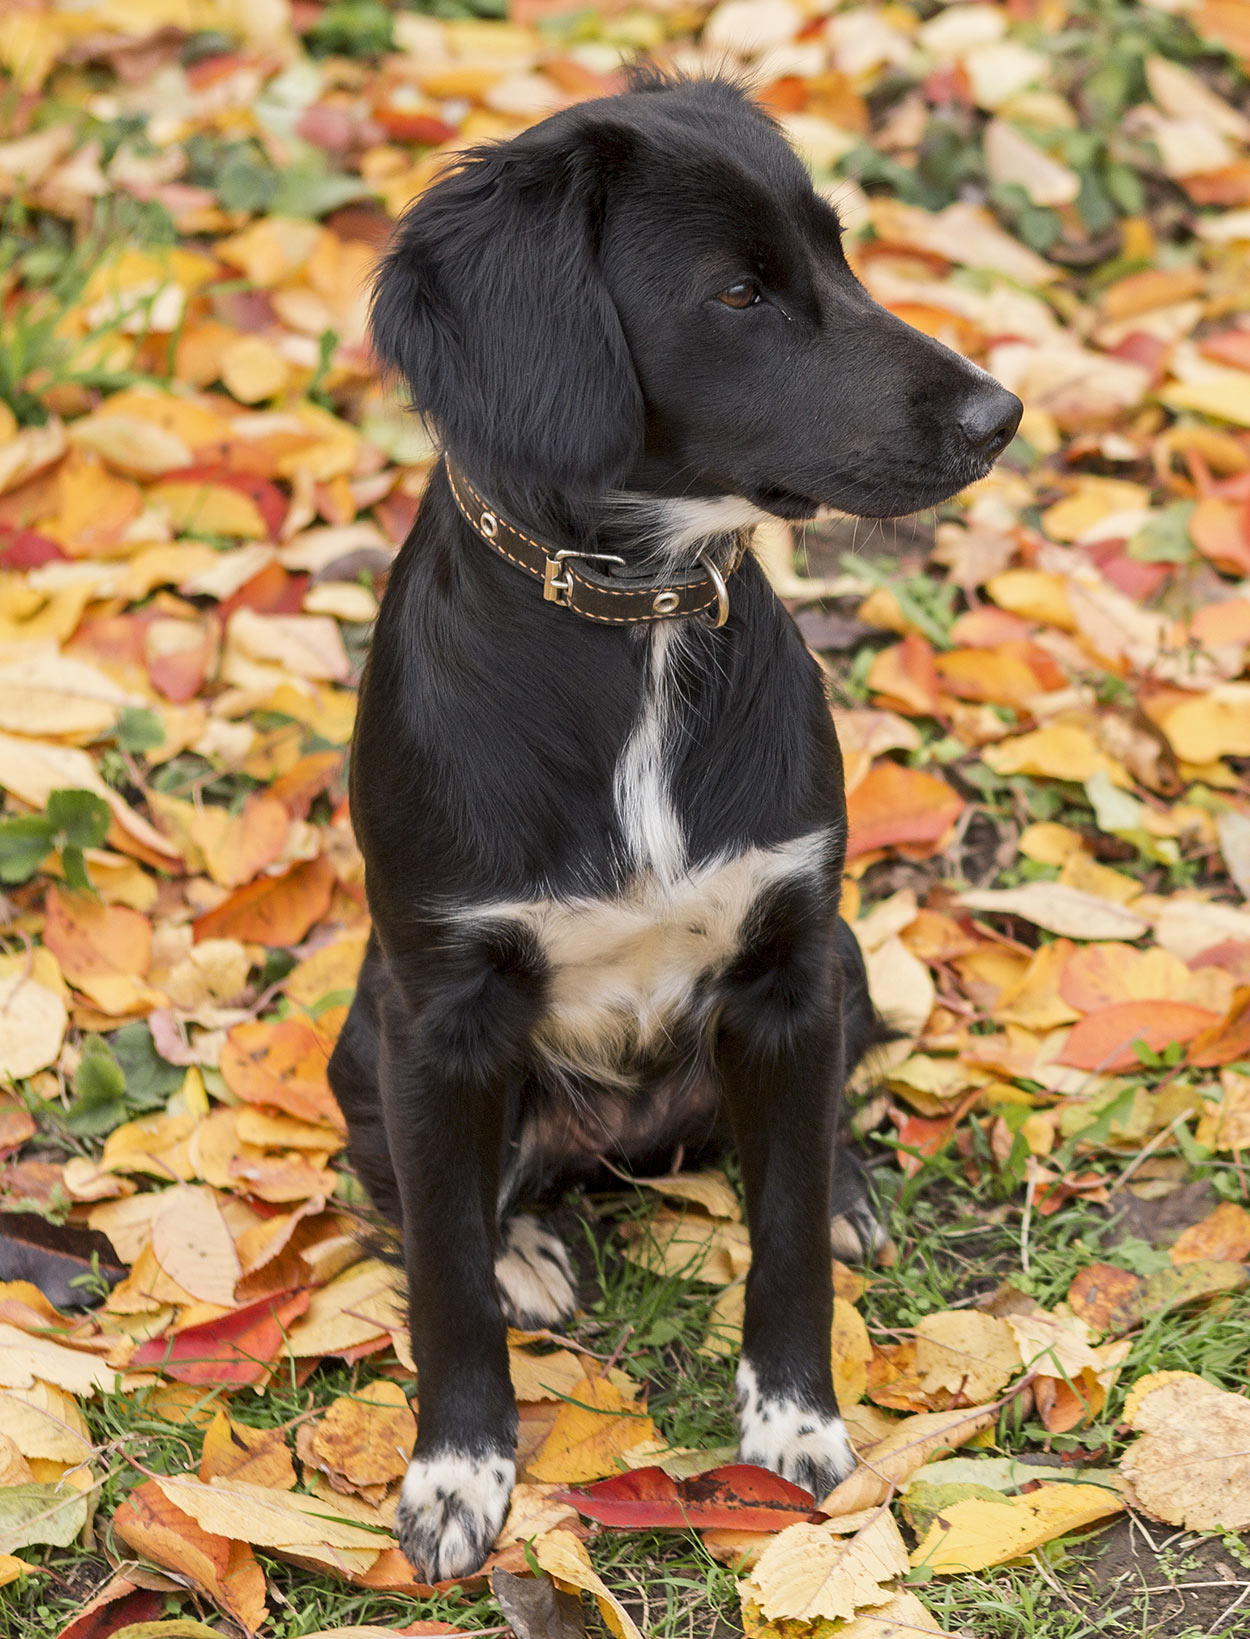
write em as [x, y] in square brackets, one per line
[179, 655]
[1228, 1040]
[893, 804]
[1107, 1298]
[307, 779]
[906, 675]
[1223, 1234]
[1104, 1040]
[237, 846]
[1218, 529]
[282, 1065]
[225, 1571]
[90, 939]
[276, 910]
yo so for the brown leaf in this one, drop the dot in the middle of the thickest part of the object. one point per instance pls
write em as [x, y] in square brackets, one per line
[366, 1438]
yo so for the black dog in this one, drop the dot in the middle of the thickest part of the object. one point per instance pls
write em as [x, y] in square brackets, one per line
[603, 816]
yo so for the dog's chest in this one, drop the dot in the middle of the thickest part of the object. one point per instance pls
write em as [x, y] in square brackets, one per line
[631, 975]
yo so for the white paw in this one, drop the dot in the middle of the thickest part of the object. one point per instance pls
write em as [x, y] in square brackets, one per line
[856, 1235]
[809, 1448]
[451, 1509]
[535, 1277]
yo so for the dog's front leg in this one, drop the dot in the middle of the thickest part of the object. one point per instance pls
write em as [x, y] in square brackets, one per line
[444, 1078]
[778, 1051]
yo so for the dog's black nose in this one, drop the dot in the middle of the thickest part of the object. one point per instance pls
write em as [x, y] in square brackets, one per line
[989, 418]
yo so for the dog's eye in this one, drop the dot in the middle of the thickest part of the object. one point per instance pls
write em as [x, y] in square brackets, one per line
[744, 294]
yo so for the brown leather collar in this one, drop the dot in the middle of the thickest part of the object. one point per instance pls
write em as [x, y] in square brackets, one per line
[572, 581]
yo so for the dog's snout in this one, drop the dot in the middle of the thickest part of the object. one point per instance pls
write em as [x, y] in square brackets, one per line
[989, 417]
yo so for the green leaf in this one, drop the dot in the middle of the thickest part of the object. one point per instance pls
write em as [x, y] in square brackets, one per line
[75, 867]
[33, 1513]
[1165, 539]
[139, 730]
[80, 816]
[25, 842]
[99, 1092]
[149, 1078]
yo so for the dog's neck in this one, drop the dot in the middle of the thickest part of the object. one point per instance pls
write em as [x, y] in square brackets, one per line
[655, 534]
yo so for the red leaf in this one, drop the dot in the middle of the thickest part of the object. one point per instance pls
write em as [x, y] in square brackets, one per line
[119, 1604]
[737, 1498]
[26, 549]
[231, 1352]
[271, 591]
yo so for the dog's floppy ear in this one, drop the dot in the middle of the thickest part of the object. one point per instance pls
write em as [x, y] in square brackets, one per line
[490, 304]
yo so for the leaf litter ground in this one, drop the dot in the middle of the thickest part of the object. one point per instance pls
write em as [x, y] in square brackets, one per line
[1042, 700]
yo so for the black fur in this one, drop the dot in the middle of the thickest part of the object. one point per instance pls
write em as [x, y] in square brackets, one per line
[553, 305]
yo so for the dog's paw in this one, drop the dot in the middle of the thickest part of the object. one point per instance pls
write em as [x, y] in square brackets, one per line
[807, 1447]
[536, 1281]
[856, 1235]
[451, 1509]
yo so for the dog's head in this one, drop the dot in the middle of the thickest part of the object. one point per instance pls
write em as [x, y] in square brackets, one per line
[645, 292]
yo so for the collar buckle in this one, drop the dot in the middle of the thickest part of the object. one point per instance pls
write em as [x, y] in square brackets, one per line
[558, 589]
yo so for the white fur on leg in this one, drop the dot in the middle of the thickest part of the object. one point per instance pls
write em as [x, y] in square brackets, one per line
[535, 1277]
[451, 1508]
[806, 1447]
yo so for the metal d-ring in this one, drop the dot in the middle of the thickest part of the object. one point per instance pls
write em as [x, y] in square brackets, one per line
[722, 592]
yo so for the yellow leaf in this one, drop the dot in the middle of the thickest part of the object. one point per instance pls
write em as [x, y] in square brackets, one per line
[1221, 393]
[960, 1351]
[33, 1020]
[132, 444]
[24, 1358]
[359, 1305]
[200, 507]
[1034, 594]
[594, 1433]
[709, 1190]
[1191, 1465]
[54, 694]
[267, 1517]
[334, 967]
[367, 1437]
[906, 1447]
[193, 1245]
[11, 1568]
[811, 1571]
[1061, 751]
[901, 1617]
[977, 1533]
[45, 1422]
[563, 1557]
[852, 1350]
[1060, 909]
[689, 1244]
[235, 1452]
[253, 369]
[32, 770]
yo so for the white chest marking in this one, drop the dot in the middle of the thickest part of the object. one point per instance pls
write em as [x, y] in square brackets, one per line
[644, 803]
[622, 970]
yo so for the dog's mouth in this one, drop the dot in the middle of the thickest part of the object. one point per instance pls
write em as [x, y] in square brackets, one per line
[900, 499]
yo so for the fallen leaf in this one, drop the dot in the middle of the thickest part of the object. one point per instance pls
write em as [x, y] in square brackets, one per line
[193, 1245]
[594, 1433]
[273, 910]
[1106, 1040]
[738, 1497]
[907, 1447]
[978, 1533]
[812, 1571]
[1059, 909]
[564, 1558]
[966, 1354]
[156, 1529]
[1223, 1235]
[1108, 1299]
[366, 1437]
[233, 1451]
[1190, 1465]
